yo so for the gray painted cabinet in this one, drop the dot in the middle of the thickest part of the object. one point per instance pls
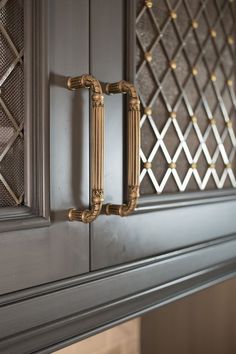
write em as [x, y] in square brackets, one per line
[61, 281]
[43, 246]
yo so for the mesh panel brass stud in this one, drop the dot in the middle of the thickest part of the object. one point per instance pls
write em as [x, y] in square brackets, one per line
[230, 83]
[173, 65]
[229, 124]
[230, 40]
[213, 77]
[173, 115]
[148, 56]
[212, 165]
[172, 165]
[148, 111]
[194, 166]
[194, 119]
[213, 33]
[173, 15]
[148, 4]
[228, 165]
[194, 71]
[147, 165]
[194, 24]
[212, 121]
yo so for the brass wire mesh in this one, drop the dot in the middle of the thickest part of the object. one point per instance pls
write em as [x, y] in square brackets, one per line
[185, 73]
[11, 103]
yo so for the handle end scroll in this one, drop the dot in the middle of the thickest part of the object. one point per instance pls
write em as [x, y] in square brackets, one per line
[124, 209]
[88, 215]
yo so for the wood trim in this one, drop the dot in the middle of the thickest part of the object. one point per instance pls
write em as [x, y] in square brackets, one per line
[43, 322]
[169, 201]
[37, 106]
[26, 294]
[121, 339]
[131, 40]
[35, 213]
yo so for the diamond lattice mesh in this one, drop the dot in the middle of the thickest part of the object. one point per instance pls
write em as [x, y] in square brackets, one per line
[11, 103]
[185, 73]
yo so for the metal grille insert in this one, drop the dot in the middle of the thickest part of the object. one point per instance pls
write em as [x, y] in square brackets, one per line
[185, 72]
[11, 103]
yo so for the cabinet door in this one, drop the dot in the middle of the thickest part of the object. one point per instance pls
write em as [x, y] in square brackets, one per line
[181, 236]
[181, 59]
[37, 243]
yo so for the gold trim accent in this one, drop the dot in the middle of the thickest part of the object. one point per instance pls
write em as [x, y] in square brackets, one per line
[230, 83]
[230, 40]
[173, 115]
[147, 165]
[133, 146]
[229, 124]
[148, 4]
[195, 24]
[213, 33]
[148, 57]
[212, 121]
[213, 77]
[194, 119]
[173, 15]
[194, 71]
[173, 65]
[148, 111]
[212, 165]
[97, 150]
[172, 165]
[194, 166]
[228, 165]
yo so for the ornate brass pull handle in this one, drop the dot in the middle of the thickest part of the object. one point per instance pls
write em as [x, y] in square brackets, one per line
[97, 155]
[133, 146]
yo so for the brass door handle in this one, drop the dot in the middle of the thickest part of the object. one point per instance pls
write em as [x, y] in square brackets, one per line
[133, 146]
[97, 148]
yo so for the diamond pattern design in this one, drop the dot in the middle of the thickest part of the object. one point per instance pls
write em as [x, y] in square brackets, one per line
[185, 73]
[11, 103]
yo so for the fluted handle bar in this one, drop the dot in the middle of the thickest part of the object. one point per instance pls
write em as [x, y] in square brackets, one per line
[97, 152]
[133, 146]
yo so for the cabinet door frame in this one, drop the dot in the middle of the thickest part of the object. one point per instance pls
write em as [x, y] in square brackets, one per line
[35, 212]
